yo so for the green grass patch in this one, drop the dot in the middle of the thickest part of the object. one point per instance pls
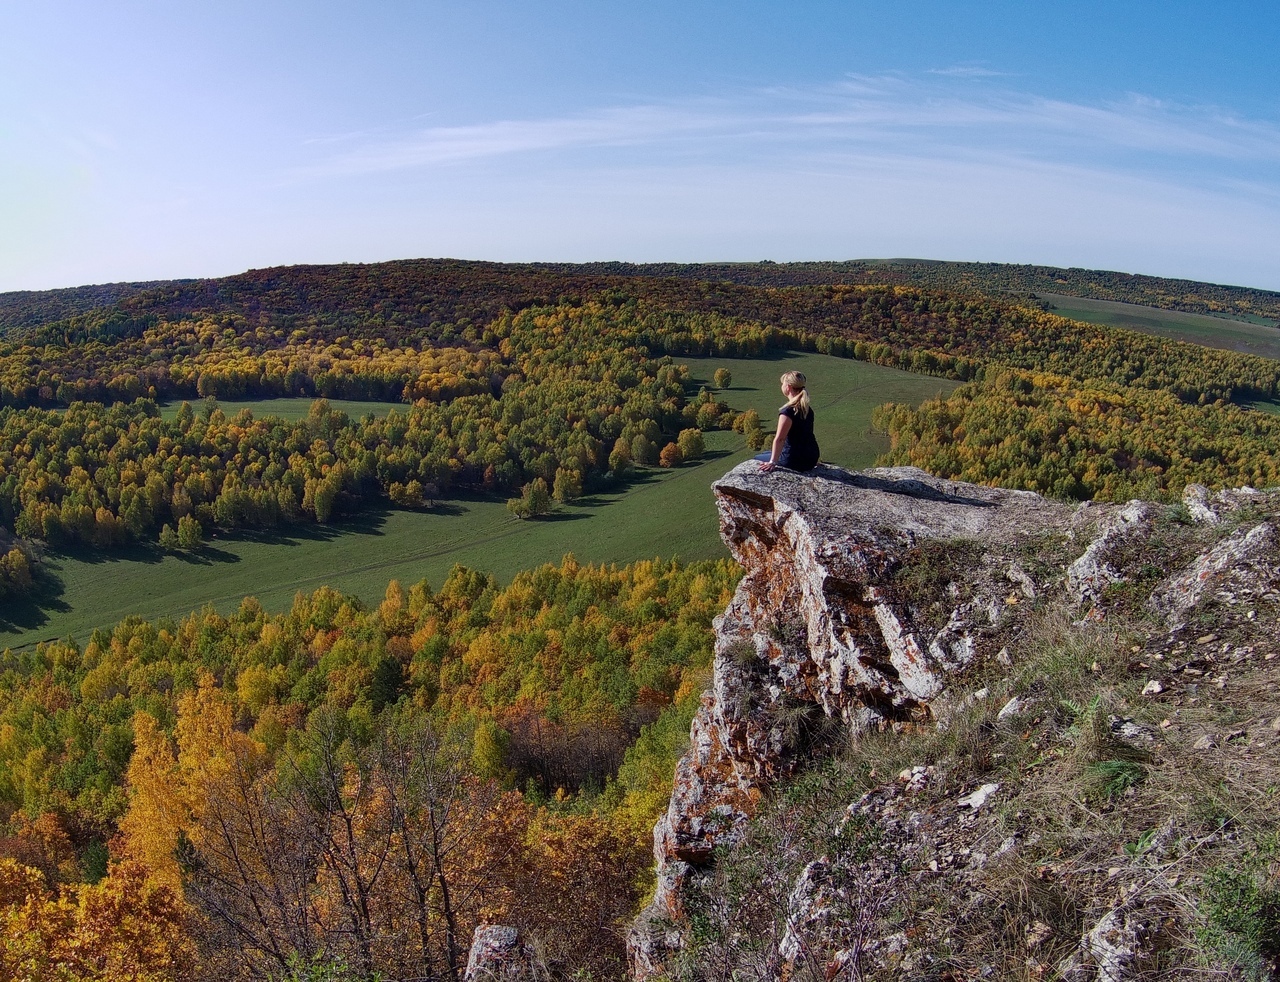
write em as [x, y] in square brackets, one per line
[1271, 408]
[843, 391]
[1241, 904]
[290, 409]
[661, 513]
[1256, 336]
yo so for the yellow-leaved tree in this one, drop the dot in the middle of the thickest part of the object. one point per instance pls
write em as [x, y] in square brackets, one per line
[125, 928]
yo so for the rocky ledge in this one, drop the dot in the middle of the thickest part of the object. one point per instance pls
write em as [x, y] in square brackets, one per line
[865, 597]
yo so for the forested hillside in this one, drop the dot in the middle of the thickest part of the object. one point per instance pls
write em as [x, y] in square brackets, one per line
[487, 283]
[430, 708]
[23, 309]
[362, 783]
[989, 278]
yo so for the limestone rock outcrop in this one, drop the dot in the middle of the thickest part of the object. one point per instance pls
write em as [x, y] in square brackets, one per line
[820, 632]
[864, 596]
[501, 954]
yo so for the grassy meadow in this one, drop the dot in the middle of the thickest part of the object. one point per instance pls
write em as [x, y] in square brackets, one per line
[660, 513]
[1255, 337]
[290, 409]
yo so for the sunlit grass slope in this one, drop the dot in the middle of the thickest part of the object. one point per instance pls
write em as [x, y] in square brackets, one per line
[290, 409]
[662, 513]
[1255, 336]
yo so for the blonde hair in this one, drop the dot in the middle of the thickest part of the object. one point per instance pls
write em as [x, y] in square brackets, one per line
[797, 382]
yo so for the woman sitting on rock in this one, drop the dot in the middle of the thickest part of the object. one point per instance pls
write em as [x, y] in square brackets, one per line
[794, 445]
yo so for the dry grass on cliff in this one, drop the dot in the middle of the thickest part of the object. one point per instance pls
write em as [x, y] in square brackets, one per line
[1115, 790]
[1114, 794]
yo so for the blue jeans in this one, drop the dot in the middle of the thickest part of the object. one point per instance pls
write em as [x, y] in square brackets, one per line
[784, 459]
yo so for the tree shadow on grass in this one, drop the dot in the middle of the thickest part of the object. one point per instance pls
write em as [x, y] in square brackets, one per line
[562, 516]
[133, 552]
[30, 613]
[605, 496]
[592, 501]
[26, 613]
[206, 555]
[447, 508]
[368, 522]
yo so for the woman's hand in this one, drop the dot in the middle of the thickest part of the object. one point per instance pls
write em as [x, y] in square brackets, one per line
[779, 441]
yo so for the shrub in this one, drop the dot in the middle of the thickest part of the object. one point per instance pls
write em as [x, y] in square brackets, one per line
[190, 533]
[691, 444]
[568, 485]
[534, 501]
[168, 538]
[1242, 907]
[644, 451]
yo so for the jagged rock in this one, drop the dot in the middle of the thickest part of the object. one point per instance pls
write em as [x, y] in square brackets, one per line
[1129, 731]
[978, 798]
[1120, 946]
[1018, 576]
[500, 954]
[1090, 575]
[1211, 507]
[1242, 566]
[1013, 707]
[863, 596]
[816, 600]
[817, 628]
[1196, 499]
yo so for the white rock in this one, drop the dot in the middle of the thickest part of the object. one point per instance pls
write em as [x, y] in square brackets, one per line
[1196, 498]
[1011, 708]
[1242, 561]
[979, 797]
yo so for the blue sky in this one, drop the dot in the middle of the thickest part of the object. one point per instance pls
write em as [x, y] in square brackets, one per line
[153, 140]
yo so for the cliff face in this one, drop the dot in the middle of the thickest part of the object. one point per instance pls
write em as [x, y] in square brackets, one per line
[869, 599]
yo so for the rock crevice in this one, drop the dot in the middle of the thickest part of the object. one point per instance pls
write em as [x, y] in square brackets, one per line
[820, 622]
[869, 600]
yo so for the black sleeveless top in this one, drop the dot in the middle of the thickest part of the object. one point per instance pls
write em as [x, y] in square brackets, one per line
[801, 451]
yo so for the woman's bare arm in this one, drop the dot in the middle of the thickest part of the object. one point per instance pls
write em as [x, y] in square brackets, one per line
[779, 441]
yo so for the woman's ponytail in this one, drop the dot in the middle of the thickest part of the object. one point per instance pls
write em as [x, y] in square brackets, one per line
[800, 401]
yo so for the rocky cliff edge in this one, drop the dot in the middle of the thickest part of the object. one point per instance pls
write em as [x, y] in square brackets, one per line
[868, 598]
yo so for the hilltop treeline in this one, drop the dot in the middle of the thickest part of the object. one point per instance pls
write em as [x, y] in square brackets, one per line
[987, 278]
[362, 331]
[336, 752]
[23, 310]
[478, 291]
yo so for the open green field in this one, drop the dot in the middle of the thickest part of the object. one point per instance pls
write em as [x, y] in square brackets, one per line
[287, 408]
[661, 513]
[843, 392]
[1258, 338]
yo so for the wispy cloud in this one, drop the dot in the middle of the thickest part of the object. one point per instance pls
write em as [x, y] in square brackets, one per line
[616, 127]
[967, 71]
[933, 165]
[886, 113]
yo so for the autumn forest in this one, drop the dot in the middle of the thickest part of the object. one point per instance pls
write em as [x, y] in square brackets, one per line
[344, 789]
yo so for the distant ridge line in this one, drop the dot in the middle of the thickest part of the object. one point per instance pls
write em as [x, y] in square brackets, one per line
[22, 312]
